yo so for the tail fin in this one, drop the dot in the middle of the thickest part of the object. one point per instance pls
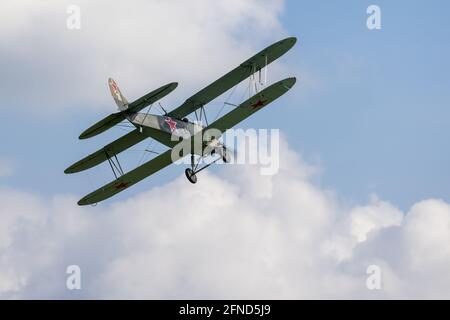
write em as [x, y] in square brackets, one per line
[120, 100]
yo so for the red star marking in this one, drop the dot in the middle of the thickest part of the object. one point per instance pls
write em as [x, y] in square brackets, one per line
[258, 104]
[172, 124]
[114, 86]
[121, 185]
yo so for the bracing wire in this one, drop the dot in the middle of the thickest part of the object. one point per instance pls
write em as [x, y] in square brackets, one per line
[226, 101]
[144, 153]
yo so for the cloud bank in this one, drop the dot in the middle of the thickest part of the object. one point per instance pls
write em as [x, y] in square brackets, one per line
[48, 68]
[236, 234]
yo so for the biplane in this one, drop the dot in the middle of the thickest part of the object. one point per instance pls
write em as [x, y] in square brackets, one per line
[163, 128]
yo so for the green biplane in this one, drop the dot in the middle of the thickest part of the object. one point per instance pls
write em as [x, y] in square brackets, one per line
[163, 128]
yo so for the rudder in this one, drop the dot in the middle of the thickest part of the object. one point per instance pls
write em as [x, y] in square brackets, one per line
[120, 100]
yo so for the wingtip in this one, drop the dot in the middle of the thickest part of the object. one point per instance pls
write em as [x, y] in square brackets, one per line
[83, 202]
[86, 134]
[71, 169]
[289, 82]
[291, 41]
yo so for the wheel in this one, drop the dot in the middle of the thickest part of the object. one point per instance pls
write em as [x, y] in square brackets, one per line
[226, 156]
[190, 175]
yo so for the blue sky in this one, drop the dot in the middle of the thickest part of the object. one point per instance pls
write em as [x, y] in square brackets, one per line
[380, 120]
[370, 107]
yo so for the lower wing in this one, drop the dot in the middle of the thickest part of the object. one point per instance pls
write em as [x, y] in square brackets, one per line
[129, 179]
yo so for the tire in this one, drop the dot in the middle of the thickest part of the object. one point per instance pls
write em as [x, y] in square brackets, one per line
[190, 175]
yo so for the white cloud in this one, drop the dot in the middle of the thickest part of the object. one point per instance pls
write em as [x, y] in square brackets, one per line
[226, 237]
[47, 67]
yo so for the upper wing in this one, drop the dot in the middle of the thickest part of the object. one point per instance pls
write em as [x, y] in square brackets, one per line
[109, 150]
[233, 77]
[252, 105]
[129, 179]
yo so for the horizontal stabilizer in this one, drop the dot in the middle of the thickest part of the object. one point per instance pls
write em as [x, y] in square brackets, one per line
[115, 118]
[108, 151]
[151, 97]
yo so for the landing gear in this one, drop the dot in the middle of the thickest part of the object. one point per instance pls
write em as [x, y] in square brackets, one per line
[190, 175]
[191, 172]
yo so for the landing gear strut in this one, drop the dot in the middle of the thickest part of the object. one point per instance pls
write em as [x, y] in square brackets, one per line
[191, 172]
